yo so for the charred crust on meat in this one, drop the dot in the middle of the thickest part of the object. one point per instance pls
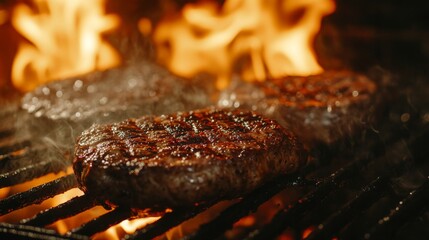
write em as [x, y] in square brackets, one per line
[185, 158]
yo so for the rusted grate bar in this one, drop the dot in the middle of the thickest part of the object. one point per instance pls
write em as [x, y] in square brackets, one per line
[37, 194]
[103, 222]
[23, 232]
[70, 208]
[30, 172]
[248, 204]
[168, 221]
[365, 198]
[399, 215]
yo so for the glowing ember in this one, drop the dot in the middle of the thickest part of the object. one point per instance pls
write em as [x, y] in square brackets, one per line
[257, 38]
[307, 231]
[65, 39]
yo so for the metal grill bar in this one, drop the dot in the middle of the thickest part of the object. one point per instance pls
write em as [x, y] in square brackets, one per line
[406, 208]
[368, 195]
[7, 157]
[22, 158]
[30, 172]
[103, 222]
[37, 194]
[248, 204]
[168, 221]
[285, 217]
[22, 232]
[70, 208]
[14, 147]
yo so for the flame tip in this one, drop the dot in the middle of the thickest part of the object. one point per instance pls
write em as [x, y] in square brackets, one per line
[66, 40]
[257, 38]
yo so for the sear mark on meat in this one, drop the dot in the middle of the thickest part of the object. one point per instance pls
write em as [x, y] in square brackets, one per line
[184, 158]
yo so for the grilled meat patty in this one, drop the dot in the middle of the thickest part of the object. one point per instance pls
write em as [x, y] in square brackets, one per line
[184, 158]
[61, 110]
[319, 109]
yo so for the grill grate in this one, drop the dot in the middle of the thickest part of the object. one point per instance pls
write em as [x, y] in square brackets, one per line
[37, 194]
[405, 210]
[249, 204]
[368, 195]
[103, 222]
[30, 172]
[10, 149]
[350, 192]
[287, 216]
[167, 222]
[18, 232]
[70, 208]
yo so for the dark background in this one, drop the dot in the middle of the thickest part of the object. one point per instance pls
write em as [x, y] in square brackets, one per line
[390, 34]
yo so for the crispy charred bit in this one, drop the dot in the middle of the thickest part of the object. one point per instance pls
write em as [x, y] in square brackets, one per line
[184, 158]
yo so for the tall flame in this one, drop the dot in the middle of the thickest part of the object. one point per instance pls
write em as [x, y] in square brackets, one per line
[258, 38]
[65, 41]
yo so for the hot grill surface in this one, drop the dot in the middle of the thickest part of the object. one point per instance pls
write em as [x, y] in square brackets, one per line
[379, 185]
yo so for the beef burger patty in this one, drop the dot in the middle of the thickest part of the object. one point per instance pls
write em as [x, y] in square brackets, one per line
[320, 109]
[184, 158]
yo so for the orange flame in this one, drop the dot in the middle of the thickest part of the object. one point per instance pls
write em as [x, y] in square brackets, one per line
[65, 41]
[260, 38]
[125, 227]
